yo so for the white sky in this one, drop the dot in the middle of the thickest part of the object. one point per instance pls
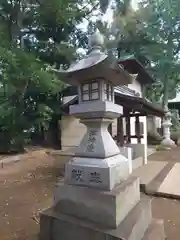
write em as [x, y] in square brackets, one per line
[108, 16]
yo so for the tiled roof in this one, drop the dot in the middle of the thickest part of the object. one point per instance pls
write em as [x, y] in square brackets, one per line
[126, 91]
[132, 65]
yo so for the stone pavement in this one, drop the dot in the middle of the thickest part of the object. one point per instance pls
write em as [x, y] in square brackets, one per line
[160, 178]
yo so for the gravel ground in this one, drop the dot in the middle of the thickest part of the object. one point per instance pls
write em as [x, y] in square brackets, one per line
[26, 188]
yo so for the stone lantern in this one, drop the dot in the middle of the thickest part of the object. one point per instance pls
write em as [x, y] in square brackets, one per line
[97, 162]
[167, 141]
[94, 202]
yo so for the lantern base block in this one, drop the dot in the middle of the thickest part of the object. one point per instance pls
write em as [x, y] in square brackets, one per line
[167, 142]
[55, 225]
[97, 173]
[109, 208]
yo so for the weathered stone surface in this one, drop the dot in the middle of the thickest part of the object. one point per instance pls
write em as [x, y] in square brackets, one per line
[97, 173]
[106, 207]
[136, 223]
[46, 221]
[97, 108]
[97, 142]
[167, 142]
[127, 153]
[155, 231]
[66, 227]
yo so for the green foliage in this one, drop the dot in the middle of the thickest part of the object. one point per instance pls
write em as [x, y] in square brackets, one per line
[104, 5]
[161, 148]
[175, 120]
[175, 128]
[34, 36]
[24, 92]
[153, 138]
[151, 34]
[175, 135]
[164, 55]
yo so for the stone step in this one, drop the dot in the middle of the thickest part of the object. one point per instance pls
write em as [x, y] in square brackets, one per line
[155, 231]
[66, 227]
[108, 208]
[136, 223]
[147, 173]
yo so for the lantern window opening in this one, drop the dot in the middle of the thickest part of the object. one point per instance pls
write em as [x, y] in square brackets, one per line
[108, 92]
[90, 91]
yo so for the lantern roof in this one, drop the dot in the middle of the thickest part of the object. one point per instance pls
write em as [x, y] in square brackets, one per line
[96, 64]
[95, 56]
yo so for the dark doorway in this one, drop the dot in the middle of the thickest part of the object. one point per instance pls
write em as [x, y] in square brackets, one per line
[50, 138]
[54, 136]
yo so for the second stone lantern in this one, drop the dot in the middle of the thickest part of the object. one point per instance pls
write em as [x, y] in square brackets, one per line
[97, 162]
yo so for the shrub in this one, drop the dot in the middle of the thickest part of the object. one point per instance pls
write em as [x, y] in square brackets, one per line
[175, 134]
[153, 138]
[160, 148]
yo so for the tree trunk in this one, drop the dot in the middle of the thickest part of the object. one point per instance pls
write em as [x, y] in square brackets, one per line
[165, 95]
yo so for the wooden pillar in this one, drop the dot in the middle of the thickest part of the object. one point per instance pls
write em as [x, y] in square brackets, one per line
[110, 128]
[120, 132]
[128, 129]
[137, 129]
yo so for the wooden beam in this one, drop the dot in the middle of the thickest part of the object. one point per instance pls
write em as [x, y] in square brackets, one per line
[128, 129]
[133, 136]
[137, 129]
[131, 104]
[135, 115]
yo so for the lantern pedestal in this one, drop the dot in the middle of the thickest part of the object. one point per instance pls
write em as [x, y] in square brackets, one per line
[81, 213]
[97, 162]
[167, 142]
[108, 208]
